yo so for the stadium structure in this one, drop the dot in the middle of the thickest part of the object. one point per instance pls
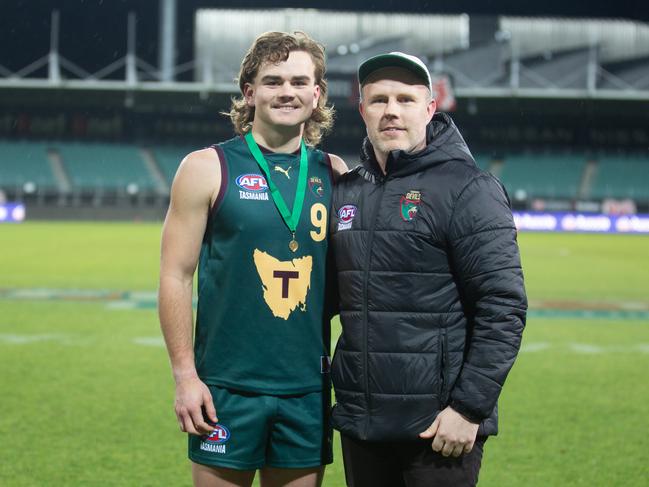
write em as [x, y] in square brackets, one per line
[555, 107]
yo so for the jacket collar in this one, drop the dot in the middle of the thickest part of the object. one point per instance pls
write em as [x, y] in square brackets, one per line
[443, 143]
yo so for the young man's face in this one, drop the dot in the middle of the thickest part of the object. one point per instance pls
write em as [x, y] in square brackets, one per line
[396, 107]
[284, 94]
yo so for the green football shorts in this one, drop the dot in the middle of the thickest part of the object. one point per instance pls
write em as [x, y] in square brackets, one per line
[256, 431]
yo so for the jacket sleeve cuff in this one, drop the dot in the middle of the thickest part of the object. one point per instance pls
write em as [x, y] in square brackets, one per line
[467, 412]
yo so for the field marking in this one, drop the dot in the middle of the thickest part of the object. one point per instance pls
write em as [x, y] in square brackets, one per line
[22, 339]
[534, 347]
[62, 339]
[149, 341]
[122, 305]
[588, 314]
[586, 348]
[78, 294]
[158, 341]
[130, 300]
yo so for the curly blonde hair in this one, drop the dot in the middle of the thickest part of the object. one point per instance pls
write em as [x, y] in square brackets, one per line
[275, 47]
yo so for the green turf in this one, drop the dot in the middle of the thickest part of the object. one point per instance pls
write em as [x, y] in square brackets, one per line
[86, 393]
[89, 255]
[586, 267]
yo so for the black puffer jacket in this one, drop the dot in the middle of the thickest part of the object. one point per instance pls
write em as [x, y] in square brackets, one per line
[431, 291]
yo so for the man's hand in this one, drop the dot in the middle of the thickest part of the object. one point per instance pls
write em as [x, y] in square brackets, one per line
[192, 395]
[453, 433]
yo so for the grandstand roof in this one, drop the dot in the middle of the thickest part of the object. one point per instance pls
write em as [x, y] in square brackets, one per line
[521, 57]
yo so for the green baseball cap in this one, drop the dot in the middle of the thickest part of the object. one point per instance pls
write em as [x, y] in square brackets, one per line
[395, 59]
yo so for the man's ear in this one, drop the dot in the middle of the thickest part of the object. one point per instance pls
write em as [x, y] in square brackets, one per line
[249, 94]
[316, 96]
[432, 107]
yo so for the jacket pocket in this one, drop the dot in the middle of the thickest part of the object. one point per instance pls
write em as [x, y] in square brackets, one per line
[443, 368]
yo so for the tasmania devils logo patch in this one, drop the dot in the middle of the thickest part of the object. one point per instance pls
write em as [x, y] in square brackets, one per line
[316, 187]
[410, 205]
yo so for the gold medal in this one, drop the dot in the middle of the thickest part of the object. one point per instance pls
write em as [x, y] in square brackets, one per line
[291, 218]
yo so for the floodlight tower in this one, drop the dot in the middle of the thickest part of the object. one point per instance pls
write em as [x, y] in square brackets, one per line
[167, 40]
[54, 69]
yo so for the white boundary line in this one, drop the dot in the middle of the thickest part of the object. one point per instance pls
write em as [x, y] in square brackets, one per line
[158, 341]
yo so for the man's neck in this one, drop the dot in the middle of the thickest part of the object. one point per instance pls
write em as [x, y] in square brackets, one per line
[277, 139]
[381, 159]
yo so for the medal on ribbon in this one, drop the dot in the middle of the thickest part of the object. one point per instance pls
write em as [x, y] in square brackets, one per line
[290, 218]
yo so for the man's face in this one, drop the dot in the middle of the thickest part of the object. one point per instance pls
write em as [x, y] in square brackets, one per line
[284, 94]
[396, 107]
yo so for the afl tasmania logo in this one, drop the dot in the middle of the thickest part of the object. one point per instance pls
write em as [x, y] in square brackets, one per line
[216, 441]
[252, 182]
[346, 213]
[219, 435]
[345, 216]
[252, 187]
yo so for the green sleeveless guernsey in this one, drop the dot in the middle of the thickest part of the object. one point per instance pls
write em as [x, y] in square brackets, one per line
[260, 317]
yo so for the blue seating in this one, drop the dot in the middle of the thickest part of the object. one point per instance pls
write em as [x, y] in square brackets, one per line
[25, 162]
[621, 177]
[105, 166]
[543, 175]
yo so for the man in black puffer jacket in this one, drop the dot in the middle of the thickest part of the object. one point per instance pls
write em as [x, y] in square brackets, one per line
[431, 293]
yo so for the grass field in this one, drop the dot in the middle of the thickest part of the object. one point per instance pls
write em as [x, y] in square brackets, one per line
[86, 392]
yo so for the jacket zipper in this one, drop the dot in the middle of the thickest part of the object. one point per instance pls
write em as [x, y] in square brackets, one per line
[368, 259]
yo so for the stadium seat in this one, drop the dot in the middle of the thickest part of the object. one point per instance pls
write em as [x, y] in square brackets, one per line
[168, 158]
[25, 162]
[621, 177]
[104, 166]
[543, 175]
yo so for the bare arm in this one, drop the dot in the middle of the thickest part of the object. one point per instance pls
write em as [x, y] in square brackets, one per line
[338, 166]
[194, 188]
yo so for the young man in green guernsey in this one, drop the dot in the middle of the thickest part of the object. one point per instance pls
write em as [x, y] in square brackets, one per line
[252, 387]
